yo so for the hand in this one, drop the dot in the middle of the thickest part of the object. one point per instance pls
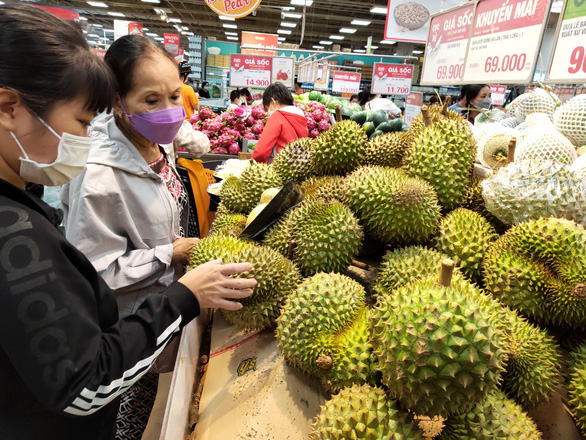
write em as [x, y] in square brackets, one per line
[182, 250]
[212, 286]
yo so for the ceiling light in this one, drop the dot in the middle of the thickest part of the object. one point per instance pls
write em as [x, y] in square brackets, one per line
[372, 47]
[336, 37]
[378, 10]
[232, 38]
[163, 17]
[232, 33]
[289, 25]
[388, 42]
[174, 20]
[151, 1]
[145, 29]
[184, 28]
[226, 18]
[325, 42]
[81, 18]
[96, 25]
[291, 15]
[282, 38]
[417, 51]
[284, 31]
[347, 30]
[150, 34]
[104, 38]
[318, 47]
[359, 51]
[116, 14]
[360, 22]
[302, 2]
[98, 4]
[187, 33]
[93, 36]
[160, 39]
[84, 31]
[287, 8]
[230, 26]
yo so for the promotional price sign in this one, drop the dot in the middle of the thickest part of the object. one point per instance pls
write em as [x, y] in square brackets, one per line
[505, 41]
[567, 64]
[392, 79]
[250, 71]
[172, 43]
[135, 28]
[413, 103]
[346, 82]
[267, 43]
[498, 95]
[233, 8]
[446, 46]
[283, 71]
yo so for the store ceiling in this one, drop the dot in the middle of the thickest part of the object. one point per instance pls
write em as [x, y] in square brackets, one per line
[323, 19]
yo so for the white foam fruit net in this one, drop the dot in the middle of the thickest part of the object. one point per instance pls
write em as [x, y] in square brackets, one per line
[537, 101]
[570, 120]
[510, 122]
[529, 190]
[480, 133]
[579, 168]
[495, 148]
[543, 142]
[486, 117]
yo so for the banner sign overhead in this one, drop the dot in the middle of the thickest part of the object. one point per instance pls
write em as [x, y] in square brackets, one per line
[346, 82]
[250, 71]
[233, 8]
[392, 79]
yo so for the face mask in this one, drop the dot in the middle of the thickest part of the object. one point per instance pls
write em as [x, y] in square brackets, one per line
[159, 127]
[72, 154]
[484, 104]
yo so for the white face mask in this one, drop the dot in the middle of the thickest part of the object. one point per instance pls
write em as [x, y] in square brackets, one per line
[72, 155]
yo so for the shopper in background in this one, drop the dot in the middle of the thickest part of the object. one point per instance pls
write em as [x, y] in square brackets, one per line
[285, 122]
[298, 89]
[472, 99]
[235, 99]
[128, 210]
[190, 99]
[246, 96]
[436, 100]
[65, 354]
[354, 99]
[203, 91]
[370, 101]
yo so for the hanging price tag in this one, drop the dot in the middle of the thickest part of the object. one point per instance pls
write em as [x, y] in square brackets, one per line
[498, 94]
[346, 82]
[250, 71]
[568, 61]
[392, 79]
[505, 41]
[446, 46]
[413, 104]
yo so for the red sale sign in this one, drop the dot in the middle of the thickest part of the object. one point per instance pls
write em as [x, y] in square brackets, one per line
[392, 79]
[413, 103]
[172, 43]
[505, 41]
[446, 46]
[135, 29]
[498, 95]
[250, 71]
[346, 82]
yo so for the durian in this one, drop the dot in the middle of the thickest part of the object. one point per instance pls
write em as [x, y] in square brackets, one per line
[536, 101]
[339, 150]
[229, 224]
[570, 120]
[363, 412]
[436, 113]
[323, 329]
[292, 161]
[577, 395]
[392, 206]
[324, 188]
[474, 202]
[215, 247]
[387, 150]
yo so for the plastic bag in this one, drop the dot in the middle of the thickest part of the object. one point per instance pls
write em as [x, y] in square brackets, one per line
[194, 142]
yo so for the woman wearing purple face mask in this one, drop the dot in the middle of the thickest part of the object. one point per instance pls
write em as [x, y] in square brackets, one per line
[128, 211]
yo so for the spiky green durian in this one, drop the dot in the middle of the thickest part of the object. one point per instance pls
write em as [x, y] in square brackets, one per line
[473, 201]
[494, 418]
[323, 329]
[242, 194]
[577, 386]
[387, 150]
[465, 237]
[437, 348]
[324, 188]
[577, 357]
[339, 150]
[280, 236]
[443, 155]
[539, 268]
[292, 161]
[215, 247]
[392, 206]
[363, 412]
[229, 224]
[436, 113]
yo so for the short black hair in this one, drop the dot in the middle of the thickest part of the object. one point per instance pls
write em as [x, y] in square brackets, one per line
[279, 92]
[354, 97]
[32, 39]
[434, 99]
[234, 94]
[297, 83]
[366, 96]
[125, 54]
[205, 83]
[245, 92]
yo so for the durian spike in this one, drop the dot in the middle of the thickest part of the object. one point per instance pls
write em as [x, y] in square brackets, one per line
[448, 100]
[426, 115]
[445, 108]
[446, 273]
[511, 153]
[338, 114]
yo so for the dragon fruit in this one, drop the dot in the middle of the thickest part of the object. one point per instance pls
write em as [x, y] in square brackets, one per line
[250, 121]
[194, 118]
[323, 125]
[234, 148]
[215, 126]
[314, 133]
[249, 135]
[220, 150]
[311, 125]
[257, 128]
[317, 115]
[240, 112]
[206, 113]
[258, 111]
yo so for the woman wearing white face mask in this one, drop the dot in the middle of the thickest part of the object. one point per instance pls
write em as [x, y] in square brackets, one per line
[475, 96]
[65, 354]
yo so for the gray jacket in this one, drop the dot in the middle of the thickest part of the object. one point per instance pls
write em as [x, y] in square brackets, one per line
[121, 215]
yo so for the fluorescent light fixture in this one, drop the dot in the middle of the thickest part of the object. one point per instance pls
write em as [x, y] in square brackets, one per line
[378, 10]
[359, 51]
[284, 31]
[108, 30]
[360, 22]
[159, 39]
[417, 51]
[104, 38]
[232, 38]
[151, 34]
[336, 37]
[151, 1]
[116, 14]
[174, 20]
[230, 26]
[96, 25]
[372, 47]
[291, 15]
[227, 18]
[232, 33]
[145, 29]
[84, 31]
[282, 38]
[347, 30]
[318, 47]
[184, 28]
[93, 36]
[302, 2]
[187, 33]
[287, 8]
[388, 42]
[98, 4]
[326, 43]
[81, 18]
[289, 25]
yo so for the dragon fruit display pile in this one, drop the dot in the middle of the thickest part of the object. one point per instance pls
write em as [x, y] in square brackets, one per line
[225, 131]
[318, 118]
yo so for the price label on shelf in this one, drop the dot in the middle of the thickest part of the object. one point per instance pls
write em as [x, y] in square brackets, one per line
[392, 79]
[505, 40]
[413, 104]
[446, 46]
[250, 71]
[346, 82]
[283, 71]
[498, 95]
[568, 61]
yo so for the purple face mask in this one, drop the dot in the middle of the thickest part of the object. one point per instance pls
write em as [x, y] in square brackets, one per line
[159, 127]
